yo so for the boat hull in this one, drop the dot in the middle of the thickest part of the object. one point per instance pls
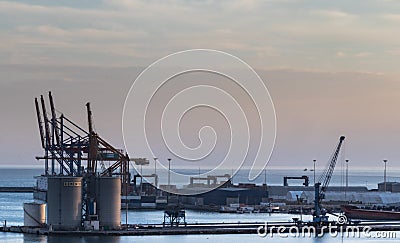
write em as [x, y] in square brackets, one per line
[353, 212]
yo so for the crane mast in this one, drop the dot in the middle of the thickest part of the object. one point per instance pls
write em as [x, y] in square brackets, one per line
[322, 185]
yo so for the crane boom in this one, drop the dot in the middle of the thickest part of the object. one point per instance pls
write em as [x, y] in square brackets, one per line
[39, 119]
[322, 185]
[93, 144]
[327, 174]
[46, 122]
[54, 118]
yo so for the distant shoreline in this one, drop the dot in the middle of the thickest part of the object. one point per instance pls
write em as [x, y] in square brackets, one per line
[275, 168]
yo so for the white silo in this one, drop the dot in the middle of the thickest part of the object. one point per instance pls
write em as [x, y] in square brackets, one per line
[34, 214]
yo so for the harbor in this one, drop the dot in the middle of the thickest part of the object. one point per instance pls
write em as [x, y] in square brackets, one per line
[200, 121]
[77, 194]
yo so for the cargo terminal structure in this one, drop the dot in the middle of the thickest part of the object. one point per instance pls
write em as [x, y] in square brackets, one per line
[79, 190]
[86, 183]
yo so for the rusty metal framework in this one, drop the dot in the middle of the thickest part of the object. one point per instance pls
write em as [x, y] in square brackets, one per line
[66, 143]
[74, 151]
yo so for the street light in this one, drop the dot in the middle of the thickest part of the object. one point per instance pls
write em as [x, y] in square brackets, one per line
[155, 171]
[169, 172]
[155, 166]
[347, 178]
[141, 179]
[347, 173]
[314, 169]
[384, 173]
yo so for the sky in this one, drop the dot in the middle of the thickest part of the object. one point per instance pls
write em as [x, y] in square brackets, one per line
[331, 67]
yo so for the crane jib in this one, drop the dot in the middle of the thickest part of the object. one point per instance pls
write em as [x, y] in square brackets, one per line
[323, 182]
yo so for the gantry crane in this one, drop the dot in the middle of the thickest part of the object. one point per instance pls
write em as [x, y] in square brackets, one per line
[321, 186]
[69, 145]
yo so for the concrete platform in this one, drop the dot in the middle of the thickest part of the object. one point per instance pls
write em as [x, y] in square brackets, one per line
[214, 228]
[16, 189]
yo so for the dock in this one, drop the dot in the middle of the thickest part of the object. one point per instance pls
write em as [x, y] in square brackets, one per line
[215, 228]
[15, 189]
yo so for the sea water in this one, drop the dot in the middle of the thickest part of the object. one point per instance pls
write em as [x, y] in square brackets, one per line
[11, 210]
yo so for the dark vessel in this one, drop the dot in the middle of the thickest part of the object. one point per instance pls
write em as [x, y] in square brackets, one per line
[353, 212]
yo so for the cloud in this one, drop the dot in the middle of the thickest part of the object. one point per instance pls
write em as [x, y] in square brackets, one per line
[392, 17]
[363, 54]
[335, 14]
[128, 32]
[340, 54]
[394, 52]
[64, 47]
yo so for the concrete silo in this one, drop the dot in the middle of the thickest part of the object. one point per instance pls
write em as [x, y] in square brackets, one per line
[64, 198]
[108, 201]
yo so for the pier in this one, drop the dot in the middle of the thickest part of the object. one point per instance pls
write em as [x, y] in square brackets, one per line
[15, 189]
[219, 228]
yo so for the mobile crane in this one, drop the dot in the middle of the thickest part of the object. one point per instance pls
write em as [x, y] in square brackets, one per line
[319, 216]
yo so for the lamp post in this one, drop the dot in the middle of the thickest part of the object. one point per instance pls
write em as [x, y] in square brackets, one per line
[265, 177]
[347, 178]
[155, 166]
[315, 161]
[155, 171]
[384, 173]
[169, 172]
[141, 179]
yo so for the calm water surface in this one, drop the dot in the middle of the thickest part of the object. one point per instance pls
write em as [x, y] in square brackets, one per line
[11, 210]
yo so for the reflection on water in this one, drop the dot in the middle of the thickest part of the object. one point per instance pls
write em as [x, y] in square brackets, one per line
[34, 238]
[13, 237]
[88, 239]
[200, 238]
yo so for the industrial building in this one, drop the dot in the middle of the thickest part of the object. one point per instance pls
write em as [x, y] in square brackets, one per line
[233, 194]
[389, 187]
[280, 192]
